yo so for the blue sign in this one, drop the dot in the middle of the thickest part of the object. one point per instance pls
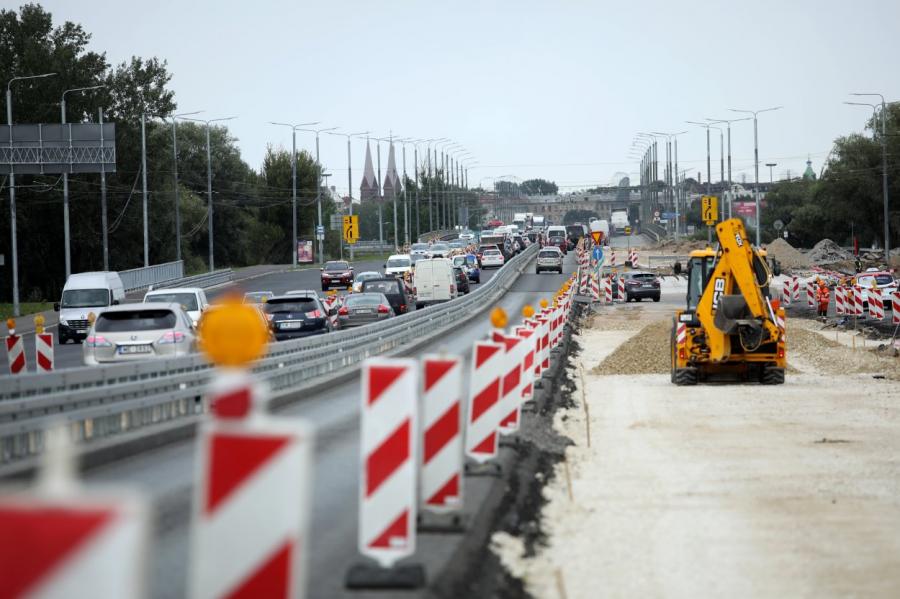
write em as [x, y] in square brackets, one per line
[668, 215]
[597, 254]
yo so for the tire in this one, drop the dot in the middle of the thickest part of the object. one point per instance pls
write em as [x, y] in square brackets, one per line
[628, 298]
[772, 376]
[655, 298]
[686, 376]
[478, 280]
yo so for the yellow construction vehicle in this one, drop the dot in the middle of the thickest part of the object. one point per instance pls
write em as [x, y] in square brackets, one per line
[730, 325]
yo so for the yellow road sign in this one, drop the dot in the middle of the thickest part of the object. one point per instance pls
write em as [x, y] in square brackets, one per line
[628, 230]
[709, 210]
[351, 229]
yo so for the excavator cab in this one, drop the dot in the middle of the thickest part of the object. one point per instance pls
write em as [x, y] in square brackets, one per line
[729, 324]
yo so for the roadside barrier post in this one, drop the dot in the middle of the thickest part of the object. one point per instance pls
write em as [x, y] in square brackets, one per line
[622, 297]
[528, 338]
[633, 258]
[795, 289]
[253, 470]
[858, 301]
[895, 308]
[608, 289]
[876, 305]
[511, 375]
[43, 346]
[389, 435]
[544, 319]
[840, 300]
[62, 540]
[810, 295]
[484, 410]
[441, 482]
[15, 349]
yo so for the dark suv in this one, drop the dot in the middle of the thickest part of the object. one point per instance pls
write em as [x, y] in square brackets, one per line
[292, 317]
[337, 274]
[639, 285]
[393, 289]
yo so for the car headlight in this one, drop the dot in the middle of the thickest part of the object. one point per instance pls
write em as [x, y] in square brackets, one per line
[63, 322]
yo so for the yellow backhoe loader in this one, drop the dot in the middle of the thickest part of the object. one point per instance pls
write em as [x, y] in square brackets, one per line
[730, 326]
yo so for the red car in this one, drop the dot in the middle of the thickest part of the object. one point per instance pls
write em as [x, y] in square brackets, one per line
[336, 274]
[559, 241]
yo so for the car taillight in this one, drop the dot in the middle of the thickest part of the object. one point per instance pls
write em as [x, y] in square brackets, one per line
[382, 309]
[171, 337]
[97, 341]
[343, 311]
[452, 288]
[314, 314]
[403, 308]
[632, 282]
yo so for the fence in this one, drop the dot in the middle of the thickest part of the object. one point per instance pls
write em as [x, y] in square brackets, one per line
[141, 278]
[104, 402]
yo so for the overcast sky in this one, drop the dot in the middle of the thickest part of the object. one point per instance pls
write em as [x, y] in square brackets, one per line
[553, 89]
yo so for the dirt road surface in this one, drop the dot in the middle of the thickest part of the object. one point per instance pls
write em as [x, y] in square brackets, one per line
[723, 490]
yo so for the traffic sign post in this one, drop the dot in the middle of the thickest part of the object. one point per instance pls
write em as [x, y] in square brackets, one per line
[709, 213]
[597, 236]
[351, 229]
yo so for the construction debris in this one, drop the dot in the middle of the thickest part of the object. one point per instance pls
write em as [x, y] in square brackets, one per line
[645, 353]
[786, 254]
[828, 252]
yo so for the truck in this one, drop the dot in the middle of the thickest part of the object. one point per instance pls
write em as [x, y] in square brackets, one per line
[519, 220]
[730, 325]
[618, 220]
[537, 222]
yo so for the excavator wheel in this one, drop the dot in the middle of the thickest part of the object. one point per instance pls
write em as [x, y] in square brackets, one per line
[686, 376]
[772, 376]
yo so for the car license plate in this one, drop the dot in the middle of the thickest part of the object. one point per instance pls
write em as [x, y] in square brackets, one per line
[290, 325]
[647, 286]
[135, 349]
[365, 311]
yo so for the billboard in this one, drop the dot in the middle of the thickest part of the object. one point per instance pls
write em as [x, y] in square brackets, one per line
[745, 209]
[58, 148]
[304, 252]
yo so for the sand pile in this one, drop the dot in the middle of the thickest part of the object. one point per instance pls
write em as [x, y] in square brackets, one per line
[788, 255]
[828, 252]
[645, 353]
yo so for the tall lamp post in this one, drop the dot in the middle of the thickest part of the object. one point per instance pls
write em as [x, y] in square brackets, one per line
[755, 114]
[66, 235]
[771, 165]
[12, 191]
[321, 241]
[349, 136]
[210, 211]
[294, 181]
[728, 126]
[884, 177]
[675, 189]
[175, 173]
[431, 219]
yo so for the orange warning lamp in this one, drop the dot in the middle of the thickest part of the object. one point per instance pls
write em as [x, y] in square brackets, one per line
[527, 311]
[39, 324]
[233, 335]
[11, 324]
[543, 303]
[498, 318]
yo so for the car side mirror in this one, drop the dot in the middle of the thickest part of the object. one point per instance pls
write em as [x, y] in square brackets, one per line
[56, 307]
[115, 302]
[382, 266]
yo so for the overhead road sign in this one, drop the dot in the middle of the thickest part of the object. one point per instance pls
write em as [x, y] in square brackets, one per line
[58, 148]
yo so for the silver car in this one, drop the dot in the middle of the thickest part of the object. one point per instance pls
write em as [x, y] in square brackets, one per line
[549, 258]
[364, 308]
[132, 332]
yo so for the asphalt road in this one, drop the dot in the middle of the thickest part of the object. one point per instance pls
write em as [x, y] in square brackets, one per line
[165, 476]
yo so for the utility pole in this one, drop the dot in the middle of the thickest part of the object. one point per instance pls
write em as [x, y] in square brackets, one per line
[175, 171]
[755, 114]
[730, 180]
[144, 177]
[103, 216]
[884, 178]
[294, 182]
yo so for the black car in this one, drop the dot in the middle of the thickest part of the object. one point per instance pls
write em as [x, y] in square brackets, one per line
[462, 279]
[292, 317]
[639, 285]
[337, 274]
[393, 289]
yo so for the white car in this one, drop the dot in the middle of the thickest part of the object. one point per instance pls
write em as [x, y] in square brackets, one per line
[883, 280]
[397, 265]
[467, 236]
[492, 258]
[418, 249]
[192, 299]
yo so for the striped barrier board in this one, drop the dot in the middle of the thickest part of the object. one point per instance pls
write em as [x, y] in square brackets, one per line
[858, 301]
[876, 306]
[810, 295]
[15, 353]
[511, 381]
[485, 412]
[621, 290]
[795, 289]
[527, 335]
[441, 480]
[608, 290]
[840, 300]
[895, 307]
[633, 257]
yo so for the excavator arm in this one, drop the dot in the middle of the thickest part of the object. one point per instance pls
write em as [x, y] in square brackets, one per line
[732, 302]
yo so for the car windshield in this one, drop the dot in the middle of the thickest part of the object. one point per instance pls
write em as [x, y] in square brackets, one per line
[382, 286]
[85, 298]
[398, 263]
[644, 277]
[880, 280]
[364, 299]
[257, 297]
[491, 252]
[187, 300]
[439, 247]
[548, 254]
[459, 260]
[364, 276]
[294, 304]
[135, 320]
[419, 246]
[337, 266]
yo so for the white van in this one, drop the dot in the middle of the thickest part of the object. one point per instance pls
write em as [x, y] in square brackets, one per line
[83, 293]
[556, 230]
[192, 299]
[434, 282]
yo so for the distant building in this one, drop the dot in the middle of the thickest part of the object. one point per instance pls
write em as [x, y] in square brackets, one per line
[391, 180]
[368, 189]
[809, 174]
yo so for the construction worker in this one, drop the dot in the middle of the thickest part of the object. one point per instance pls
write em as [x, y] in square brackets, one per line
[823, 296]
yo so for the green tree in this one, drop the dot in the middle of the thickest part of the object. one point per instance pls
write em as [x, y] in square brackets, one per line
[539, 187]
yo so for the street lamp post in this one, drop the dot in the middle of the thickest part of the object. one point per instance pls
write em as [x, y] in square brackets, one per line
[12, 191]
[66, 234]
[884, 177]
[728, 123]
[675, 187]
[755, 114]
[209, 198]
[294, 182]
[321, 241]
[349, 136]
[771, 165]
[175, 172]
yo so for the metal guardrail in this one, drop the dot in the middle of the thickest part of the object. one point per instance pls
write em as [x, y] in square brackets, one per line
[99, 403]
[207, 279]
[435, 235]
[141, 278]
[653, 230]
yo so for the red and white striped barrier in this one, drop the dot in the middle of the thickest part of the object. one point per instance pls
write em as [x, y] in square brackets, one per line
[795, 289]
[633, 258]
[43, 351]
[511, 381]
[858, 301]
[595, 288]
[779, 320]
[608, 290]
[545, 338]
[584, 281]
[485, 412]
[253, 472]
[840, 300]
[786, 293]
[15, 353]
[621, 290]
[811, 295]
[534, 325]
[876, 305]
[612, 257]
[895, 307]
[681, 333]
[440, 484]
[388, 448]
[528, 338]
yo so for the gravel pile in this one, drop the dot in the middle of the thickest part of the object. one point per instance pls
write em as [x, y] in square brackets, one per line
[828, 252]
[827, 356]
[788, 255]
[645, 353]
